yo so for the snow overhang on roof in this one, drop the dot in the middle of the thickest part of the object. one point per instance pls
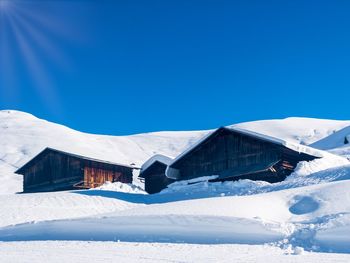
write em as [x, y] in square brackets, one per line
[156, 158]
[173, 173]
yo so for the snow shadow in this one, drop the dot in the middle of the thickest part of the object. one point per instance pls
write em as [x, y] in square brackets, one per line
[148, 199]
[128, 197]
[304, 205]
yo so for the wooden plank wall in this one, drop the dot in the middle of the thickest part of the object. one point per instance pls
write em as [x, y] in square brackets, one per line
[53, 170]
[155, 179]
[227, 151]
[57, 171]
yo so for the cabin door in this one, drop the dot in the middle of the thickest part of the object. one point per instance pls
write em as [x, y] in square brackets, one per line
[109, 177]
[94, 177]
[89, 177]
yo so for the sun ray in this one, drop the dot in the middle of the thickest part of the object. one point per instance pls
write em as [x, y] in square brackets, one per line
[8, 83]
[42, 41]
[4, 4]
[29, 31]
[49, 23]
[41, 80]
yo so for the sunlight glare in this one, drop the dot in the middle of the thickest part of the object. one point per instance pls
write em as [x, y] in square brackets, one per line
[4, 4]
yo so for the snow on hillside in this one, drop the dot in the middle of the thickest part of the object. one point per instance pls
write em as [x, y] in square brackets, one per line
[337, 143]
[23, 136]
[296, 130]
[337, 139]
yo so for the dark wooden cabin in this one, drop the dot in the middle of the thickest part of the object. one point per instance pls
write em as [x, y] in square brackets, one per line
[53, 170]
[233, 154]
[153, 174]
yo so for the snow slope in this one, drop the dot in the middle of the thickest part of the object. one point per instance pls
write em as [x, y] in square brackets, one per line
[337, 143]
[295, 130]
[31, 208]
[23, 136]
[334, 140]
[233, 221]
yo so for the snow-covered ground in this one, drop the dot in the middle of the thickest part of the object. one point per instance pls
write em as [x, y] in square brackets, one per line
[96, 252]
[315, 217]
[305, 218]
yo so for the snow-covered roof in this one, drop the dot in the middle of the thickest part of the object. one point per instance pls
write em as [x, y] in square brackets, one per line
[156, 158]
[292, 146]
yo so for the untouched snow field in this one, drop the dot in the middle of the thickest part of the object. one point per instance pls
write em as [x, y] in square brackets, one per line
[102, 252]
[305, 218]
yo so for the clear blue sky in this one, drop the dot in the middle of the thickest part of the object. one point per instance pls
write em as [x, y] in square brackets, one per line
[123, 67]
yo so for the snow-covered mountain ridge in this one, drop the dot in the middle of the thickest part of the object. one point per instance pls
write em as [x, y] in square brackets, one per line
[23, 136]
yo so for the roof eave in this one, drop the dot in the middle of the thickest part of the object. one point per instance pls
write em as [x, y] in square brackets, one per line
[19, 170]
[251, 134]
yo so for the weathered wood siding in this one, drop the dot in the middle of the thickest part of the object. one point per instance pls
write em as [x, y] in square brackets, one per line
[155, 179]
[228, 151]
[36, 175]
[53, 170]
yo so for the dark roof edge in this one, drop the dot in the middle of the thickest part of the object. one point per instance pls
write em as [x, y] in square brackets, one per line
[73, 155]
[255, 135]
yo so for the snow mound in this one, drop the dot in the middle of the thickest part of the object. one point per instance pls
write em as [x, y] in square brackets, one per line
[330, 161]
[120, 187]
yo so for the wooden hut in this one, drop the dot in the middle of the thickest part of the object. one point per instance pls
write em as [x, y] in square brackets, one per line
[53, 170]
[232, 154]
[153, 174]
